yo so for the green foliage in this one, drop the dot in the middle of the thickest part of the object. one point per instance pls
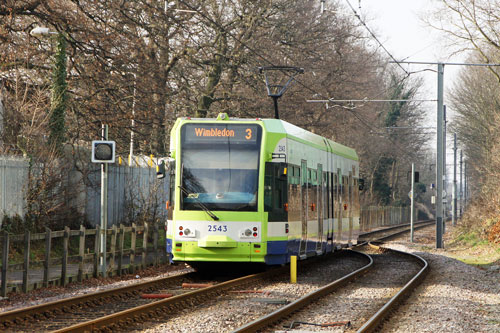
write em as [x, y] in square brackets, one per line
[399, 91]
[380, 182]
[58, 102]
[400, 203]
[13, 224]
[420, 188]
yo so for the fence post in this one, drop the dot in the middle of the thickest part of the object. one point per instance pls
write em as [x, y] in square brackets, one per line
[145, 245]
[81, 254]
[5, 262]
[133, 239]
[378, 215]
[46, 263]
[97, 250]
[26, 264]
[155, 243]
[113, 249]
[64, 266]
[121, 237]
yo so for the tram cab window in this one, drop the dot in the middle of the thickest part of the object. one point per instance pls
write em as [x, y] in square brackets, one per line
[275, 192]
[171, 192]
[220, 166]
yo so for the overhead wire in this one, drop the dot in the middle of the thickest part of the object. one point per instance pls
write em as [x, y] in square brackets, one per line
[251, 49]
[375, 37]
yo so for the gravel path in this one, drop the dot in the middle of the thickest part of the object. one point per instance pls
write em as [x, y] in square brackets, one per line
[454, 297]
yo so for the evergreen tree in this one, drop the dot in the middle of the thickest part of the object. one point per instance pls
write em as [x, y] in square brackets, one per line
[59, 96]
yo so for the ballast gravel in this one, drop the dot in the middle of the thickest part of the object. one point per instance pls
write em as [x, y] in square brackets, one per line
[454, 297]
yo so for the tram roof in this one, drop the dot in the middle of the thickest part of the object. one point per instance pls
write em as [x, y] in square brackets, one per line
[291, 131]
[307, 137]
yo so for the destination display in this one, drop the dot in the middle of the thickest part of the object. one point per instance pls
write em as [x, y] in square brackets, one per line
[206, 133]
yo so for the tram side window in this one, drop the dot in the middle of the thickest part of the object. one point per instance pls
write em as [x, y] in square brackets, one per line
[326, 191]
[275, 192]
[345, 194]
[294, 194]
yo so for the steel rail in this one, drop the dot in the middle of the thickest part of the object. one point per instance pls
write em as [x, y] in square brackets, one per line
[304, 301]
[379, 231]
[372, 323]
[27, 313]
[144, 311]
[399, 233]
[377, 318]
[395, 234]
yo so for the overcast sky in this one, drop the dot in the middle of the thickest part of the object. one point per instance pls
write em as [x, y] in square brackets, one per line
[399, 26]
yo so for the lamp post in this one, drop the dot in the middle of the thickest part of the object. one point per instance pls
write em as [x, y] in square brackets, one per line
[58, 88]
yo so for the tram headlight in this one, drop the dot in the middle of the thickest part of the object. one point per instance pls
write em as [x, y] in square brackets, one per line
[187, 232]
[249, 232]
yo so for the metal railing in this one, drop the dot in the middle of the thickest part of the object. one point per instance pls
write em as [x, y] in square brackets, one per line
[382, 216]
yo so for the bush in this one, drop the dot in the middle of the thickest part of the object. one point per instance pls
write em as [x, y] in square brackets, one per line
[13, 224]
[494, 233]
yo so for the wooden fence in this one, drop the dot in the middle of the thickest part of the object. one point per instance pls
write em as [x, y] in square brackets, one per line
[77, 255]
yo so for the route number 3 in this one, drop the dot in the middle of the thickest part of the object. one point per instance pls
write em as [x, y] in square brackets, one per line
[249, 134]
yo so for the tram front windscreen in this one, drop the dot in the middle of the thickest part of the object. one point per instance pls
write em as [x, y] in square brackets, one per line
[220, 166]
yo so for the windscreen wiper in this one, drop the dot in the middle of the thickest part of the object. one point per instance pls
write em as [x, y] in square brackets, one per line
[202, 206]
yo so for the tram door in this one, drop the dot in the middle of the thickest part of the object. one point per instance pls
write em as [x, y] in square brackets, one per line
[349, 239]
[303, 193]
[340, 189]
[331, 208]
[320, 209]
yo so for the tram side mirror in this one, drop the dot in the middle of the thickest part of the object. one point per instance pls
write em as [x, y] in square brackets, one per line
[161, 170]
[361, 184]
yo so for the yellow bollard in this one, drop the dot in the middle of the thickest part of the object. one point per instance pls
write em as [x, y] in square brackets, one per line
[293, 269]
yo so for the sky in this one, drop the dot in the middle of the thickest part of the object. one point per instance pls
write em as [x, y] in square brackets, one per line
[398, 25]
[400, 28]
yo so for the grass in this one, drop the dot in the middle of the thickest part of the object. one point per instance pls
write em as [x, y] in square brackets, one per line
[472, 249]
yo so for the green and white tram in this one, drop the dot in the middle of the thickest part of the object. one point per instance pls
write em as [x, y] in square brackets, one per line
[258, 190]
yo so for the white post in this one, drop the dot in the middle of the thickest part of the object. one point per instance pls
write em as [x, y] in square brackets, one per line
[454, 222]
[131, 154]
[412, 210]
[104, 205]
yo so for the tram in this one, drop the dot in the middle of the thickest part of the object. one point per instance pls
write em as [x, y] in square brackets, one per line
[257, 191]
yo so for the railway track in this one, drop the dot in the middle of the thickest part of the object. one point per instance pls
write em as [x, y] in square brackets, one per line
[303, 311]
[391, 232]
[53, 315]
[122, 308]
